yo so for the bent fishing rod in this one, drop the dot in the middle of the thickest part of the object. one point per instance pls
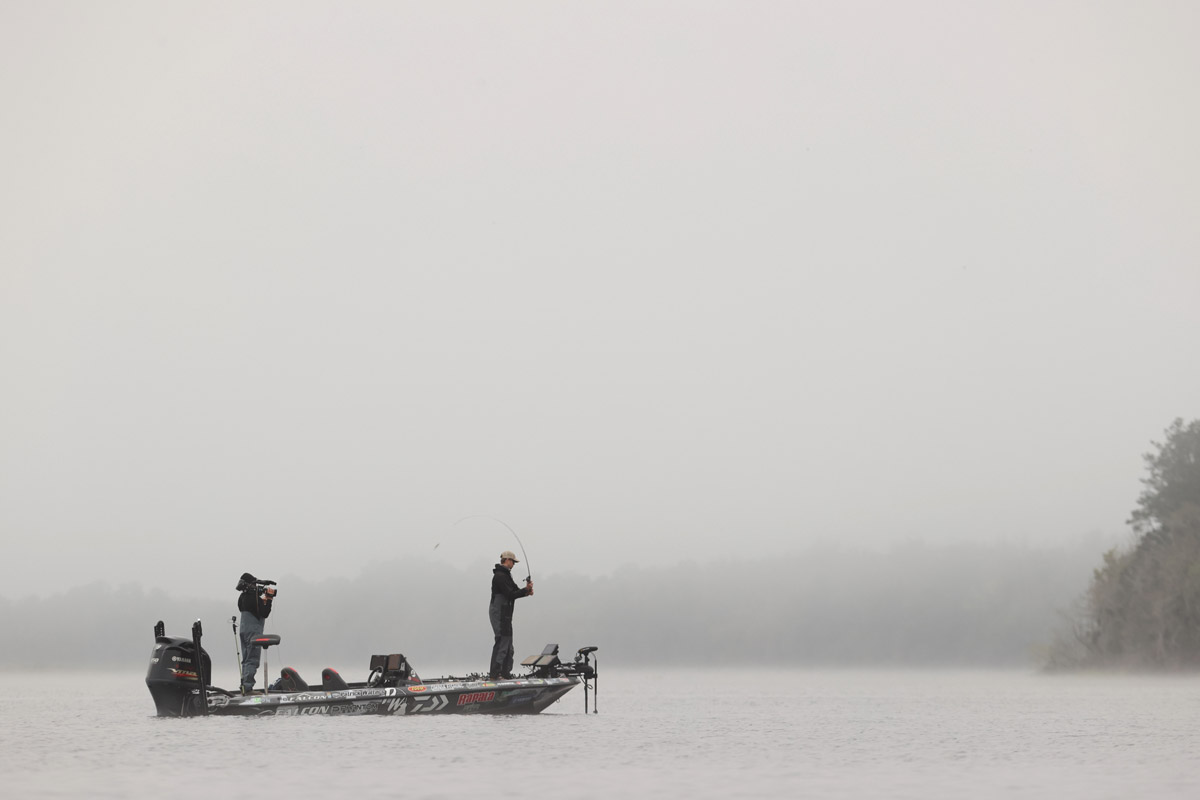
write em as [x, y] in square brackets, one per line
[528, 568]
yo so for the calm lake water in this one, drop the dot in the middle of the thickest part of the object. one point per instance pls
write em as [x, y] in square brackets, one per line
[690, 734]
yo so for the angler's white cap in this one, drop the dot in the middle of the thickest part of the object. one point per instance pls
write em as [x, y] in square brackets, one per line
[510, 554]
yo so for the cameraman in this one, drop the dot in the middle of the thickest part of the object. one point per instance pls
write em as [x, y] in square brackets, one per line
[255, 605]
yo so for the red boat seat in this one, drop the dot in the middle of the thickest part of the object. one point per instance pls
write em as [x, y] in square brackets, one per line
[331, 681]
[290, 680]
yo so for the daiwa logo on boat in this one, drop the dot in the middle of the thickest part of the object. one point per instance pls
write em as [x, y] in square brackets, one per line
[476, 697]
[433, 702]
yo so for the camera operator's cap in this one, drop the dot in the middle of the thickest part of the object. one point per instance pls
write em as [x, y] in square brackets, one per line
[509, 554]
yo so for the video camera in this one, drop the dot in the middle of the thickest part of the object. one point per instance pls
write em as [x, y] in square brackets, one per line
[249, 583]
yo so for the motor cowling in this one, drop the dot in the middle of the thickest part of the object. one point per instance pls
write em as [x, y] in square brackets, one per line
[174, 676]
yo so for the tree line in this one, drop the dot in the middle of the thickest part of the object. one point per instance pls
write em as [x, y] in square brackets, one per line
[1142, 608]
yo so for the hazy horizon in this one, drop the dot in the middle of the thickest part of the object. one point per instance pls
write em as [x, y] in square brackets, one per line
[289, 288]
[964, 604]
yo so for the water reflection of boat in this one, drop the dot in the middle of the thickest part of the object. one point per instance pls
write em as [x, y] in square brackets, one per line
[176, 675]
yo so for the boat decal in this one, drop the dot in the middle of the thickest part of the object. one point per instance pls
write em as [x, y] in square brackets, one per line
[417, 688]
[305, 697]
[186, 675]
[436, 703]
[397, 706]
[476, 697]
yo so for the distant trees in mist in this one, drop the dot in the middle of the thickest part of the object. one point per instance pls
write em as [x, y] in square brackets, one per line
[917, 605]
[1142, 609]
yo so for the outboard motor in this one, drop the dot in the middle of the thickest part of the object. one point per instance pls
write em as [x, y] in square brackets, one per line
[176, 677]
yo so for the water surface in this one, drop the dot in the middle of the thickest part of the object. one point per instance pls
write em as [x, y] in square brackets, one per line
[755, 733]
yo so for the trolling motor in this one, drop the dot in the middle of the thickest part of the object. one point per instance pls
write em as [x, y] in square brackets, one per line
[547, 665]
[588, 665]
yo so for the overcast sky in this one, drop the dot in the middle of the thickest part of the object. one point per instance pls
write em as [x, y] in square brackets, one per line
[289, 287]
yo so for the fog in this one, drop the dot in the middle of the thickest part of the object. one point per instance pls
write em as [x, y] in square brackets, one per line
[914, 606]
[292, 287]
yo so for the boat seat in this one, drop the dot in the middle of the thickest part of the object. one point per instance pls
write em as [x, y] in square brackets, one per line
[266, 640]
[290, 681]
[331, 681]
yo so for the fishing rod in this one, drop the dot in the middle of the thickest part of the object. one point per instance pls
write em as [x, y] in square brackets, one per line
[528, 568]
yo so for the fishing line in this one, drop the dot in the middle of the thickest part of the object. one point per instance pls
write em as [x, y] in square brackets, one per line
[528, 569]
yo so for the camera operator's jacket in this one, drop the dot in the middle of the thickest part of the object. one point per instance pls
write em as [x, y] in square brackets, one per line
[251, 601]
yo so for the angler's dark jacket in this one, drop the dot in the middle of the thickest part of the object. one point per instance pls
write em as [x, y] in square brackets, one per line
[505, 592]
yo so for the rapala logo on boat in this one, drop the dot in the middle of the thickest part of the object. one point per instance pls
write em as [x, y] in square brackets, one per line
[476, 697]
[417, 688]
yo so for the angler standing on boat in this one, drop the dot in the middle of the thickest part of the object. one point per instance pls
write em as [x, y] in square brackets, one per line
[255, 604]
[500, 611]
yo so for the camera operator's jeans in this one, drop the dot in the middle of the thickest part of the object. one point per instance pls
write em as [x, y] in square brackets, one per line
[252, 628]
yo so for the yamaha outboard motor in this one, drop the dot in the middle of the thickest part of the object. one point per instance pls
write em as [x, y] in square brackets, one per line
[176, 677]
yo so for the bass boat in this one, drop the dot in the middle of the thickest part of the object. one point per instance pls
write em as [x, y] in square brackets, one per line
[180, 673]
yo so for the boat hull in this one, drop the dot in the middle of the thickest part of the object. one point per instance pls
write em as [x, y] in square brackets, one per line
[519, 696]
